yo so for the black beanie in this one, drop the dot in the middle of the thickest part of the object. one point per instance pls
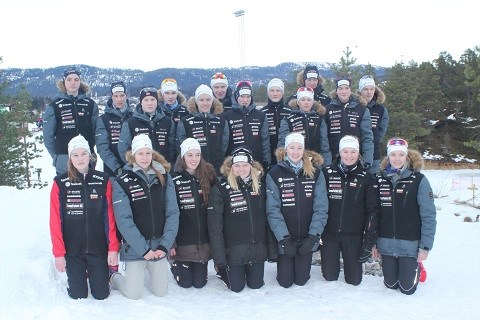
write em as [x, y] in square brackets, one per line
[310, 69]
[148, 91]
[243, 87]
[71, 70]
[118, 86]
[242, 154]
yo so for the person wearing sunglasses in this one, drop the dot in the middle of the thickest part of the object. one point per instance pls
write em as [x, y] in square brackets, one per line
[69, 114]
[275, 110]
[107, 133]
[310, 77]
[248, 126]
[307, 118]
[149, 119]
[297, 207]
[353, 206]
[378, 114]
[407, 220]
[205, 125]
[221, 90]
[347, 115]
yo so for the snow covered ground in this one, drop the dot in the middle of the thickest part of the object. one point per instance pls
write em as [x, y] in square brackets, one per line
[29, 289]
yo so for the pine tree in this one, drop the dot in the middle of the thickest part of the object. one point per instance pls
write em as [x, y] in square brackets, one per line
[17, 143]
[406, 120]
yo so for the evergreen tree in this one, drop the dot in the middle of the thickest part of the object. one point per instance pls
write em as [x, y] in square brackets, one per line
[430, 98]
[406, 120]
[471, 58]
[451, 78]
[17, 144]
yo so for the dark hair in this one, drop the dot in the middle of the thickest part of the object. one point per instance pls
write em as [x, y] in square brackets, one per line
[205, 175]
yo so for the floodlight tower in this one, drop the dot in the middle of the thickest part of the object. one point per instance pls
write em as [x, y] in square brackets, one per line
[241, 31]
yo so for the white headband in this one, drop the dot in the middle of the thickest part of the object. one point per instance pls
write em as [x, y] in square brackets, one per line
[295, 137]
[189, 144]
[141, 141]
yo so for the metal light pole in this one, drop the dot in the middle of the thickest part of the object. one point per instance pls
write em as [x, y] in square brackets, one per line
[239, 14]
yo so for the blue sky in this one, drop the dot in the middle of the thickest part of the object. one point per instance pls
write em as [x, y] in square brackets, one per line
[148, 35]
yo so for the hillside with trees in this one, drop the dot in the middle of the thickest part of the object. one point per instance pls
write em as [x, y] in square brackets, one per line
[435, 105]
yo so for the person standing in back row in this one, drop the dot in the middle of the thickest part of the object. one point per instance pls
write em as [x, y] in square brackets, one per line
[347, 115]
[109, 126]
[221, 90]
[307, 118]
[378, 114]
[247, 126]
[310, 77]
[206, 126]
[71, 113]
[275, 111]
[149, 119]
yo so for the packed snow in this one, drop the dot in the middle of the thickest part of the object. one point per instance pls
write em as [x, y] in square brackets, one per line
[31, 289]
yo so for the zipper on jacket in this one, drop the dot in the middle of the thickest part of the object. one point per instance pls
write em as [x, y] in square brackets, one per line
[85, 212]
[151, 210]
[205, 131]
[197, 211]
[307, 131]
[393, 212]
[298, 207]
[76, 116]
[247, 193]
[343, 203]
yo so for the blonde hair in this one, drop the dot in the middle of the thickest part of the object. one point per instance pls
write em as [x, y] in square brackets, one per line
[256, 173]
[155, 157]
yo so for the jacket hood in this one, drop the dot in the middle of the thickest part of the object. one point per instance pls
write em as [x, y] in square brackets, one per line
[157, 160]
[308, 157]
[180, 97]
[414, 157]
[217, 107]
[227, 167]
[301, 82]
[321, 110]
[84, 88]
[378, 96]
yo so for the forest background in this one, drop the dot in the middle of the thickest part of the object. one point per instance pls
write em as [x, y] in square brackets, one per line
[435, 105]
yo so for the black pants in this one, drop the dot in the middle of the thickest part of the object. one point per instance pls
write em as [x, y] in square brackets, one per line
[400, 273]
[96, 266]
[347, 244]
[294, 270]
[188, 274]
[236, 277]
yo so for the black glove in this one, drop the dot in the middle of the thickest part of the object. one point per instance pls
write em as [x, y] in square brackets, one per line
[365, 252]
[289, 248]
[307, 244]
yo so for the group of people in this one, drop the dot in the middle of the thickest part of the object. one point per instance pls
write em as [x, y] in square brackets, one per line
[216, 177]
